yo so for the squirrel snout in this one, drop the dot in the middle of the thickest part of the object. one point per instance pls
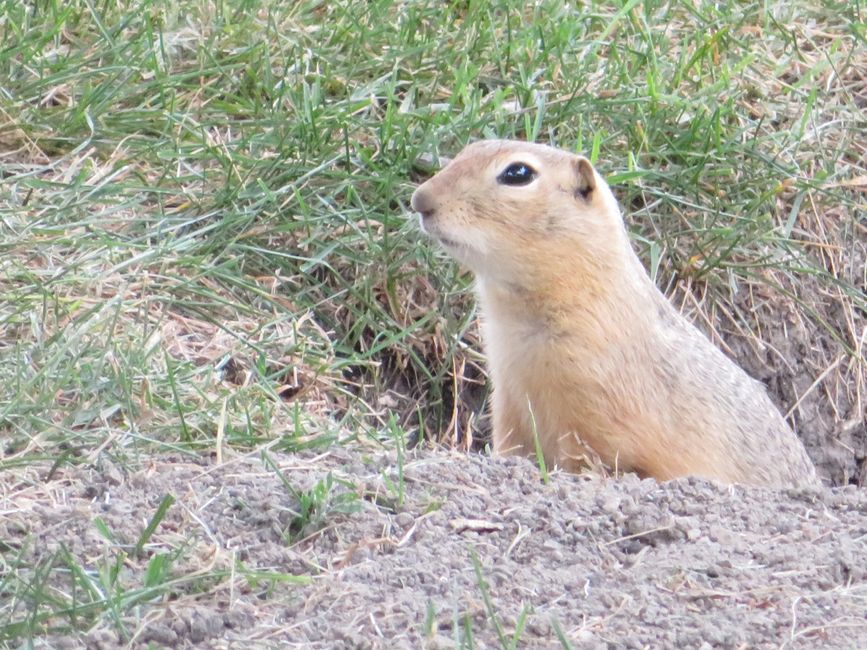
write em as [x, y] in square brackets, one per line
[423, 203]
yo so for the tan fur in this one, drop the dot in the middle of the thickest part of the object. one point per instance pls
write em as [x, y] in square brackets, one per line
[583, 350]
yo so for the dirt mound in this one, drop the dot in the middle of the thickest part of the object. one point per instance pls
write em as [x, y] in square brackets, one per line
[461, 547]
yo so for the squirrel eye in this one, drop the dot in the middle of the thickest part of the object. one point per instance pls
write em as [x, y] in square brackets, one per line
[517, 174]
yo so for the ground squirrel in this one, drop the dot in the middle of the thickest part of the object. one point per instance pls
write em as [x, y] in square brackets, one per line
[586, 355]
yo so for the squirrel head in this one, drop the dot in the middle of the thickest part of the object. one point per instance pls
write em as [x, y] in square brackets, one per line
[506, 209]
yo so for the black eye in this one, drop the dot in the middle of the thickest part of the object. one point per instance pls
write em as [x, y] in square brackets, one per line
[517, 174]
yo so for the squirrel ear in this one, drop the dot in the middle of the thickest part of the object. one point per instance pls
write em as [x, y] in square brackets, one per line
[584, 176]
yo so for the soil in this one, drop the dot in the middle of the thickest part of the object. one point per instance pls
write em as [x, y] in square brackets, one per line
[464, 544]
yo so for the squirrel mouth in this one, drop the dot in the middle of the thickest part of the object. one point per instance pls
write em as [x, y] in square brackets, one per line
[449, 243]
[430, 228]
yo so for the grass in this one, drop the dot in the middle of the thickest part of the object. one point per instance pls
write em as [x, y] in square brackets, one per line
[204, 236]
[505, 642]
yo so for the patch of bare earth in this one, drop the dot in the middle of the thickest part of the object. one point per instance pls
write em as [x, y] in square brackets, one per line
[609, 562]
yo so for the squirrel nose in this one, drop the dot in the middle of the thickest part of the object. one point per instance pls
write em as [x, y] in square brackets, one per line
[423, 203]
